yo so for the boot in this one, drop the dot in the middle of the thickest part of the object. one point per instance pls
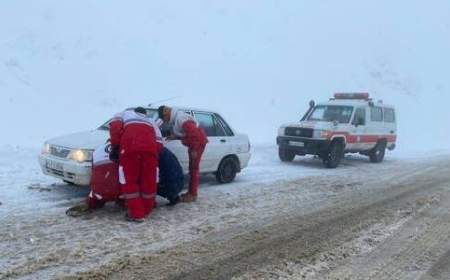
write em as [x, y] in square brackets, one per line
[78, 210]
[188, 198]
[134, 220]
[174, 201]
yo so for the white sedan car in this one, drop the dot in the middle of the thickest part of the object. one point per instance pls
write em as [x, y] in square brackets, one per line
[69, 157]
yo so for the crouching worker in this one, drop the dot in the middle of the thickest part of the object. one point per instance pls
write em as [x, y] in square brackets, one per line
[105, 185]
[185, 127]
[171, 177]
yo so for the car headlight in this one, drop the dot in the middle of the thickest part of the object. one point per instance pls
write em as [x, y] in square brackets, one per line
[45, 149]
[80, 155]
[281, 131]
[322, 134]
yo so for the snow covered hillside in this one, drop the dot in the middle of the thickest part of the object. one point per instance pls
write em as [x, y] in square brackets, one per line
[69, 65]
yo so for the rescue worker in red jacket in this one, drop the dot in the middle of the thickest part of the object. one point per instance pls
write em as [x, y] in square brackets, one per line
[135, 146]
[185, 127]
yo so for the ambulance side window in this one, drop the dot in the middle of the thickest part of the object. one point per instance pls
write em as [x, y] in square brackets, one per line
[360, 117]
[389, 115]
[376, 114]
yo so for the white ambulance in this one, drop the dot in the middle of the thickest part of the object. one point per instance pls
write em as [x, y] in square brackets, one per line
[347, 123]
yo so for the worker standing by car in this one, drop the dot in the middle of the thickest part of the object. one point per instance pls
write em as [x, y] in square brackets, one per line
[134, 145]
[185, 127]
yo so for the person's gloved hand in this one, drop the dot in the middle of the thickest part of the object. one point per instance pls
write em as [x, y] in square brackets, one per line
[114, 154]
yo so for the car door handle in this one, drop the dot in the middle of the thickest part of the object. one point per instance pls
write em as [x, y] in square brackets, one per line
[223, 140]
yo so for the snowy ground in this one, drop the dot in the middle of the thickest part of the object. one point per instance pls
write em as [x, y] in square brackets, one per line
[37, 239]
[24, 187]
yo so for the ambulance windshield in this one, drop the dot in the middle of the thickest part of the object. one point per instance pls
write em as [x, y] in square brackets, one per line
[323, 113]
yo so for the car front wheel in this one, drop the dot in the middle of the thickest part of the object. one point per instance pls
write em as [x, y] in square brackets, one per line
[286, 155]
[376, 155]
[334, 156]
[227, 171]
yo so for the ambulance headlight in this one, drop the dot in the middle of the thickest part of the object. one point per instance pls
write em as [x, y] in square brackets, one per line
[281, 131]
[81, 155]
[322, 134]
[45, 149]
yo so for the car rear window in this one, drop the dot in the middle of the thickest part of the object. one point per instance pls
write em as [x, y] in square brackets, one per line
[224, 124]
[208, 122]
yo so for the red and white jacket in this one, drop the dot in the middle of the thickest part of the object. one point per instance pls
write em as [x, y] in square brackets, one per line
[177, 120]
[185, 127]
[134, 132]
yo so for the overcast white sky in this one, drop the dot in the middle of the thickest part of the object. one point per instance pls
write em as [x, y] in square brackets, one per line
[71, 64]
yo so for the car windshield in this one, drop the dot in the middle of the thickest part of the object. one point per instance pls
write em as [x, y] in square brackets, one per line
[152, 114]
[341, 114]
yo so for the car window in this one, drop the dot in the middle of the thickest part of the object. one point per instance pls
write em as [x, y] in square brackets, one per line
[360, 116]
[341, 114]
[389, 115]
[209, 124]
[152, 114]
[376, 114]
[166, 129]
[226, 127]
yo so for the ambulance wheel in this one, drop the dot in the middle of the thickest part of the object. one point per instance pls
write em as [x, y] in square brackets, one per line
[377, 154]
[334, 156]
[227, 171]
[286, 155]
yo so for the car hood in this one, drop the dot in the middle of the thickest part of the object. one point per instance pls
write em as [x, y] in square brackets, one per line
[88, 140]
[311, 124]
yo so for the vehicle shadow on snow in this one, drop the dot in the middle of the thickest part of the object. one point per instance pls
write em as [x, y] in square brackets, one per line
[348, 161]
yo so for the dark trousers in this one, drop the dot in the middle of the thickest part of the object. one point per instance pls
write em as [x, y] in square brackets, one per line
[170, 192]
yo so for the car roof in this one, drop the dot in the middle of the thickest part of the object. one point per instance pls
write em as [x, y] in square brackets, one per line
[353, 102]
[188, 109]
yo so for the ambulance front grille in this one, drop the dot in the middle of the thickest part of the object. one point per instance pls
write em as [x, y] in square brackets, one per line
[299, 132]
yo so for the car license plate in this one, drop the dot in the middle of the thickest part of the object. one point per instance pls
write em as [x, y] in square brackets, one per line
[54, 165]
[297, 144]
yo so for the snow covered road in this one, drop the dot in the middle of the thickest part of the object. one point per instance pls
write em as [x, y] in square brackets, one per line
[258, 227]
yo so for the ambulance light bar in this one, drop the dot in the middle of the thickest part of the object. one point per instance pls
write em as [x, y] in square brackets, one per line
[357, 96]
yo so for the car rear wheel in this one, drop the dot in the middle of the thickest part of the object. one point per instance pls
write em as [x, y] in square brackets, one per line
[227, 171]
[334, 156]
[286, 155]
[377, 154]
